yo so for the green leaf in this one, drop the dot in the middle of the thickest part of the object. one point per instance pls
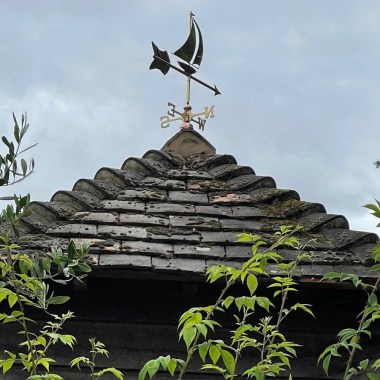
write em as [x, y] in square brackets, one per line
[228, 361]
[239, 301]
[189, 335]
[373, 376]
[303, 307]
[6, 364]
[202, 350]
[71, 250]
[375, 267]
[24, 166]
[214, 367]
[326, 364]
[202, 329]
[252, 283]
[45, 362]
[228, 301]
[119, 375]
[12, 299]
[152, 367]
[143, 372]
[83, 267]
[171, 367]
[372, 299]
[80, 359]
[59, 300]
[264, 302]
[214, 353]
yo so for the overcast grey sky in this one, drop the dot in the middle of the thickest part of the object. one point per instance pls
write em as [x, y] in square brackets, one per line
[300, 85]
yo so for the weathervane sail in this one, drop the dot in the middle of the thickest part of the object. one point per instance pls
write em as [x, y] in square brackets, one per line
[191, 53]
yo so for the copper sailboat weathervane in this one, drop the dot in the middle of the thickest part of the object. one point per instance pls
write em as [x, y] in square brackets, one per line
[191, 54]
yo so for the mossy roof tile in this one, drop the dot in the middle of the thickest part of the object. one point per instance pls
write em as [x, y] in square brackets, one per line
[176, 212]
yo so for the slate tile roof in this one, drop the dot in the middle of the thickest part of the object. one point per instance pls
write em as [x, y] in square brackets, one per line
[178, 210]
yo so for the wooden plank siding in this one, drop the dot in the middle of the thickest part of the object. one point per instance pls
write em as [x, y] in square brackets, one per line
[137, 322]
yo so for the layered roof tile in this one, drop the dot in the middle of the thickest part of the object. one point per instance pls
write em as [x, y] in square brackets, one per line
[178, 210]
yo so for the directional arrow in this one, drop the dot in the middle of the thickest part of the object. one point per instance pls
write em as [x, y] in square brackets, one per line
[183, 72]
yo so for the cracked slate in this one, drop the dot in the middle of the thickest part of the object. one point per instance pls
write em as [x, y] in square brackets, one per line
[148, 248]
[73, 230]
[206, 185]
[341, 238]
[39, 241]
[122, 232]
[101, 217]
[240, 252]
[125, 260]
[196, 266]
[197, 222]
[240, 225]
[363, 272]
[199, 251]
[145, 194]
[185, 174]
[170, 208]
[172, 235]
[142, 219]
[218, 237]
[315, 270]
[160, 183]
[119, 205]
[98, 245]
[214, 210]
[247, 212]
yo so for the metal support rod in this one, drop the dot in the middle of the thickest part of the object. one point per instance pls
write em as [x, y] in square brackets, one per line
[188, 90]
[188, 78]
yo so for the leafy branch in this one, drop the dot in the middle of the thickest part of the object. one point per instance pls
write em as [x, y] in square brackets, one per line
[11, 171]
[196, 323]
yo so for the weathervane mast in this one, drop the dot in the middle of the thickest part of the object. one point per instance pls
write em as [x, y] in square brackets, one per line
[191, 55]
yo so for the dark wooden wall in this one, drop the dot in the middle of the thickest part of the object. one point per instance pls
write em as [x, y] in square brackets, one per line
[137, 320]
